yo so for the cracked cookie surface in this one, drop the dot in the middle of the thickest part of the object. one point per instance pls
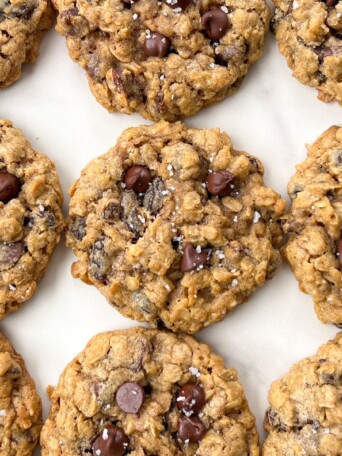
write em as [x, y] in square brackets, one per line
[22, 25]
[174, 226]
[309, 34]
[314, 225]
[20, 405]
[153, 391]
[163, 59]
[31, 218]
[305, 415]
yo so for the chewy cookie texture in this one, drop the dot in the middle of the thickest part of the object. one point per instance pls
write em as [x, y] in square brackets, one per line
[309, 34]
[22, 25]
[174, 226]
[142, 391]
[305, 415]
[20, 405]
[314, 225]
[164, 59]
[31, 219]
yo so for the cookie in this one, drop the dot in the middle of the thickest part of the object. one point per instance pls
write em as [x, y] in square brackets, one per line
[163, 59]
[309, 34]
[20, 405]
[148, 392]
[31, 218]
[314, 225]
[22, 26]
[174, 226]
[305, 414]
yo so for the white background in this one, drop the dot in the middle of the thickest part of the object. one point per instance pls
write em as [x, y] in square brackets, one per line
[272, 116]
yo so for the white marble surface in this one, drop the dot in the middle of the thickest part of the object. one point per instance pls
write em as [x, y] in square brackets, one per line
[271, 116]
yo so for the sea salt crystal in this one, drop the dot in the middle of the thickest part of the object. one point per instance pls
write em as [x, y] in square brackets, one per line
[224, 8]
[256, 217]
[12, 287]
[41, 207]
[235, 218]
[105, 434]
[234, 283]
[135, 16]
[194, 371]
[198, 249]
[3, 412]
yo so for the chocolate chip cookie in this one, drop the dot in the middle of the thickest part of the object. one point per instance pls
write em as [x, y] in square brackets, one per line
[31, 218]
[22, 25]
[148, 392]
[163, 58]
[20, 405]
[174, 226]
[309, 34]
[305, 414]
[314, 225]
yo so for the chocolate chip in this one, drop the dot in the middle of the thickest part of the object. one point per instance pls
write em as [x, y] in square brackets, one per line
[191, 398]
[79, 227]
[190, 429]
[156, 45]
[10, 254]
[334, 378]
[25, 11]
[137, 178]
[111, 212]
[131, 213]
[130, 397]
[9, 187]
[153, 199]
[192, 259]
[339, 250]
[143, 304]
[182, 4]
[215, 23]
[111, 442]
[331, 2]
[220, 183]
[100, 263]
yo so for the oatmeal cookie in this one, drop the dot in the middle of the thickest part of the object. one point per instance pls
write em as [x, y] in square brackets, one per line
[31, 218]
[164, 59]
[309, 34]
[314, 225]
[174, 226]
[305, 414]
[148, 392]
[22, 25]
[20, 405]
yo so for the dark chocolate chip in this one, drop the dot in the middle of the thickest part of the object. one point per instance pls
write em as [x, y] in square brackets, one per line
[220, 183]
[9, 187]
[215, 23]
[111, 442]
[143, 304]
[331, 2]
[192, 259]
[100, 263]
[191, 398]
[182, 4]
[10, 254]
[191, 429]
[79, 227]
[137, 178]
[111, 212]
[334, 378]
[131, 213]
[156, 45]
[25, 11]
[153, 199]
[130, 397]
[339, 250]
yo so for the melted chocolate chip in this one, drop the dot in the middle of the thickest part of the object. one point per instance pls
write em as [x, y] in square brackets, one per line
[79, 227]
[137, 178]
[192, 259]
[156, 45]
[9, 187]
[220, 183]
[100, 263]
[111, 442]
[331, 2]
[131, 214]
[190, 429]
[130, 397]
[111, 212]
[191, 398]
[10, 254]
[153, 199]
[177, 3]
[215, 23]
[339, 250]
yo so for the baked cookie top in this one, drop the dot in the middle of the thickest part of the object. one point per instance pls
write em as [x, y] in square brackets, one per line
[22, 24]
[314, 225]
[163, 59]
[31, 218]
[309, 34]
[20, 405]
[143, 391]
[174, 226]
[305, 415]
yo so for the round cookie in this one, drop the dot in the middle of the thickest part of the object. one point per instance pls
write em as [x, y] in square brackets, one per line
[174, 226]
[148, 392]
[22, 25]
[314, 225]
[20, 405]
[305, 414]
[309, 34]
[31, 218]
[164, 59]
